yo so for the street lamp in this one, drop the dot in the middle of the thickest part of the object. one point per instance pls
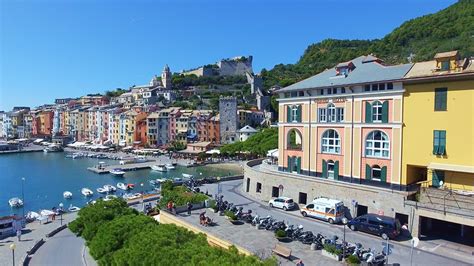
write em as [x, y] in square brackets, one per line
[143, 201]
[23, 195]
[12, 247]
[218, 185]
[61, 205]
[344, 222]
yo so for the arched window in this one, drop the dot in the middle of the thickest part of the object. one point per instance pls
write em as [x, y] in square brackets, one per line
[331, 143]
[294, 140]
[377, 111]
[331, 112]
[377, 144]
[376, 173]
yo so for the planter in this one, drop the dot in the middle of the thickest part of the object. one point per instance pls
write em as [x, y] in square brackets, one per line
[331, 256]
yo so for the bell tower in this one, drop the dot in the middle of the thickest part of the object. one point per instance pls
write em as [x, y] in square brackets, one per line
[166, 77]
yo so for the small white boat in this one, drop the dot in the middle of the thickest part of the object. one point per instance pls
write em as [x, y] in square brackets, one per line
[31, 216]
[15, 202]
[122, 186]
[110, 197]
[158, 181]
[46, 213]
[117, 172]
[132, 196]
[170, 166]
[87, 192]
[101, 190]
[159, 168]
[73, 208]
[67, 194]
[188, 176]
[110, 188]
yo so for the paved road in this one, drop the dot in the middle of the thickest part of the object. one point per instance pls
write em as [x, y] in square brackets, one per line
[401, 252]
[63, 249]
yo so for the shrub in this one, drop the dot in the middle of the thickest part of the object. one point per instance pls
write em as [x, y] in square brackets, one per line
[332, 249]
[280, 233]
[231, 215]
[179, 195]
[353, 259]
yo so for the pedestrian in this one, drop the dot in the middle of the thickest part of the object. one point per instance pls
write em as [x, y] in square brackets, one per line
[173, 208]
[18, 234]
[190, 206]
[300, 263]
[169, 206]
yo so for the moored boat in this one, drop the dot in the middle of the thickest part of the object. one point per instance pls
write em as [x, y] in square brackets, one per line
[73, 208]
[67, 194]
[159, 168]
[188, 176]
[117, 172]
[122, 186]
[110, 188]
[87, 192]
[31, 216]
[15, 202]
[110, 197]
[170, 166]
[132, 196]
[101, 190]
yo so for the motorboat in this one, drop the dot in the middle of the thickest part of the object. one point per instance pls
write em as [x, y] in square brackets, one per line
[67, 194]
[159, 168]
[53, 148]
[117, 172]
[31, 216]
[188, 176]
[47, 213]
[15, 202]
[87, 192]
[158, 181]
[122, 186]
[73, 208]
[132, 196]
[102, 190]
[170, 166]
[110, 188]
[110, 197]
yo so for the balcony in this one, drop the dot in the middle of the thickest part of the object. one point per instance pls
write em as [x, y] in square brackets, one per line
[443, 201]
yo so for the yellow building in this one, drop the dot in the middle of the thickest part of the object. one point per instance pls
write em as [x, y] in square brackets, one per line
[438, 142]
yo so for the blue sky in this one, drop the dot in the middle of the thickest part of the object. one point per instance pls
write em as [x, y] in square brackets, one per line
[68, 48]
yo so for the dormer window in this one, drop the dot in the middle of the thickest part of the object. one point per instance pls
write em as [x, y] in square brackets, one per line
[344, 68]
[445, 65]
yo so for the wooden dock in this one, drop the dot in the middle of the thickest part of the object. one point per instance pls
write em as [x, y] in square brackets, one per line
[125, 167]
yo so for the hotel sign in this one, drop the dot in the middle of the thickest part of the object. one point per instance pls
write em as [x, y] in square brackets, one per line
[331, 100]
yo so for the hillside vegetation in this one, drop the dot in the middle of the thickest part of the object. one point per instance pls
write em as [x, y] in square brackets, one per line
[258, 144]
[449, 29]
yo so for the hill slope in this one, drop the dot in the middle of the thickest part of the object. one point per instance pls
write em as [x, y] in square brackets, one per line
[449, 29]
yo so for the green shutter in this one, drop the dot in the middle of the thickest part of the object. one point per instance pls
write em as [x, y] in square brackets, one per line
[299, 113]
[435, 142]
[298, 165]
[368, 172]
[288, 114]
[383, 174]
[368, 112]
[288, 167]
[385, 112]
[325, 169]
[442, 142]
[336, 170]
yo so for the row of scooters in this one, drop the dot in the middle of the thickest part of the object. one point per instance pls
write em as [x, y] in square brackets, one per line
[297, 233]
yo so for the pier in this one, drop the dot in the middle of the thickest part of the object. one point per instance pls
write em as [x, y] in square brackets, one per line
[125, 167]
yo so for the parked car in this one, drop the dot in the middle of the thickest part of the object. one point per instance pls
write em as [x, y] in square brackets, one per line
[284, 203]
[384, 226]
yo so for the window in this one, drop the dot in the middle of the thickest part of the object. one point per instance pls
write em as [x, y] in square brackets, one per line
[294, 140]
[259, 188]
[275, 192]
[439, 142]
[334, 90]
[287, 95]
[322, 114]
[321, 92]
[329, 90]
[441, 99]
[445, 65]
[294, 113]
[340, 114]
[375, 87]
[376, 173]
[343, 90]
[301, 93]
[331, 113]
[377, 112]
[390, 86]
[367, 87]
[381, 86]
[294, 94]
[331, 143]
[377, 145]
[330, 169]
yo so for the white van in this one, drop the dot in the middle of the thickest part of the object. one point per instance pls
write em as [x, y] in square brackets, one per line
[330, 210]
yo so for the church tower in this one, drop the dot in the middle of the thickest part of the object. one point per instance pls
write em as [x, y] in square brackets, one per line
[166, 77]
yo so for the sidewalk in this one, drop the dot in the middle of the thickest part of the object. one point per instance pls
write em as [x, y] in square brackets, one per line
[30, 235]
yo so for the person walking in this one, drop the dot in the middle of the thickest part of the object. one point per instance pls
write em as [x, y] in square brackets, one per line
[169, 206]
[190, 207]
[300, 263]
[18, 234]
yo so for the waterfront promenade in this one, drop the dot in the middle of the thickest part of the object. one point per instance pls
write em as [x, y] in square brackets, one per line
[64, 248]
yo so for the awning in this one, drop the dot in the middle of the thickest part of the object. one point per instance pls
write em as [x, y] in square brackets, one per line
[451, 167]
[213, 152]
[273, 153]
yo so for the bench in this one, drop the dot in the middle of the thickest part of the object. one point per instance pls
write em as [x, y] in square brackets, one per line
[282, 251]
